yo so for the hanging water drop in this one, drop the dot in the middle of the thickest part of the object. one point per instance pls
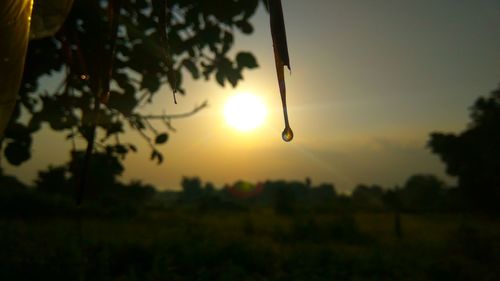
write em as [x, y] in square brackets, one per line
[281, 58]
[287, 134]
[84, 77]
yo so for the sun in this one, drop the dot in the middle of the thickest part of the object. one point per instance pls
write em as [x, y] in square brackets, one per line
[245, 112]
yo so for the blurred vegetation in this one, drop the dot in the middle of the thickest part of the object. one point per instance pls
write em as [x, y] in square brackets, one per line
[473, 156]
[272, 230]
[256, 244]
[112, 57]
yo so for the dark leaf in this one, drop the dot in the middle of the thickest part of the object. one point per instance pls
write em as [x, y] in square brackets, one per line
[35, 122]
[156, 155]
[161, 138]
[278, 32]
[244, 26]
[219, 76]
[132, 147]
[245, 59]
[18, 131]
[121, 149]
[17, 152]
[227, 42]
[191, 66]
[114, 128]
[150, 82]
[233, 77]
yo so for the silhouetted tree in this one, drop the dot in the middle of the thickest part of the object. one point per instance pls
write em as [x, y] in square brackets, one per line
[324, 193]
[423, 193]
[474, 154]
[105, 168]
[368, 197]
[135, 192]
[209, 188]
[308, 182]
[392, 200]
[10, 182]
[54, 180]
[191, 189]
[283, 196]
[136, 46]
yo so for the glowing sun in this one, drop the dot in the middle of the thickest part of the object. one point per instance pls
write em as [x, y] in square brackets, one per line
[245, 112]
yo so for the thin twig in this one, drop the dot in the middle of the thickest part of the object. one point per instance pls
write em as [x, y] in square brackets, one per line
[176, 116]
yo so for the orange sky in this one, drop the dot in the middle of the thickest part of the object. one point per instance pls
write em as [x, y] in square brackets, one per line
[370, 80]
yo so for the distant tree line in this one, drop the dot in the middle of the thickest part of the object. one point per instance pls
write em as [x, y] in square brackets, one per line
[53, 191]
[420, 193]
[54, 187]
[472, 156]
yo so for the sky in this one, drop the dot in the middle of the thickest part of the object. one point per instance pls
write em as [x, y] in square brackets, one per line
[370, 81]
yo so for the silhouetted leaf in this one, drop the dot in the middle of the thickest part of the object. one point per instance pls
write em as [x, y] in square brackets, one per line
[120, 149]
[249, 7]
[150, 82]
[219, 76]
[244, 26]
[156, 155]
[245, 59]
[227, 42]
[17, 152]
[233, 77]
[132, 147]
[278, 32]
[17, 131]
[35, 122]
[191, 66]
[114, 128]
[161, 138]
[122, 102]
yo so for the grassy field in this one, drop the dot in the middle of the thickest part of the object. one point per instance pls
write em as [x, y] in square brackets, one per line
[251, 245]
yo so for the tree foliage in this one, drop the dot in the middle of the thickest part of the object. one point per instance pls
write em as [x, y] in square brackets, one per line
[200, 36]
[474, 154]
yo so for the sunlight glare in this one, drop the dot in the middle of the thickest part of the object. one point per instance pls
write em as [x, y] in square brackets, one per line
[245, 112]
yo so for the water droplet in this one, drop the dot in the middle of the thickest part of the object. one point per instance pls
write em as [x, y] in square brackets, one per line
[287, 134]
[84, 77]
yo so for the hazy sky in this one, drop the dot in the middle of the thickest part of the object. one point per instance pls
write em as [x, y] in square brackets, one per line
[370, 80]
